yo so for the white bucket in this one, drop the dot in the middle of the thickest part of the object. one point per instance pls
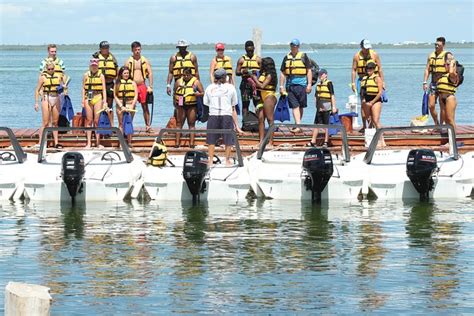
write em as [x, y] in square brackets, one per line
[369, 134]
[353, 99]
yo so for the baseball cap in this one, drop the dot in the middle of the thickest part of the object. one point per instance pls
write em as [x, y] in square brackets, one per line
[295, 42]
[365, 43]
[104, 44]
[220, 46]
[182, 43]
[219, 73]
[322, 71]
[94, 62]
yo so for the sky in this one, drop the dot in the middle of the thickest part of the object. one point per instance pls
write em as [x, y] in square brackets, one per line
[231, 21]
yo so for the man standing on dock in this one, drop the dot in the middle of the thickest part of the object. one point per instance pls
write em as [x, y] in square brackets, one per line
[246, 65]
[436, 68]
[295, 80]
[182, 59]
[140, 70]
[109, 68]
[59, 67]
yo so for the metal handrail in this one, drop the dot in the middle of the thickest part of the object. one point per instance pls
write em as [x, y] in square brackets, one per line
[206, 131]
[453, 150]
[123, 144]
[20, 154]
[345, 146]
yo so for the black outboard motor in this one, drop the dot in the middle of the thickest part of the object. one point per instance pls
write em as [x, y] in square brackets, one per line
[72, 172]
[317, 162]
[194, 171]
[421, 165]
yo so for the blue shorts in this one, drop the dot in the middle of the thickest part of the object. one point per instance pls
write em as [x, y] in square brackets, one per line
[297, 97]
[220, 122]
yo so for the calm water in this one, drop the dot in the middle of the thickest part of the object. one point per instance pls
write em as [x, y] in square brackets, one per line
[257, 257]
[403, 70]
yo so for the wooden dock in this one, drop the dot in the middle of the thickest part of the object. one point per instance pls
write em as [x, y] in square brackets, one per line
[284, 138]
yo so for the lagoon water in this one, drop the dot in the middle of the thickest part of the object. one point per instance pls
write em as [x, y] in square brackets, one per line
[258, 257]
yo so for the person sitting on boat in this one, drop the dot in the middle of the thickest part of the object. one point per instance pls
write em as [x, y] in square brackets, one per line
[47, 87]
[140, 70]
[94, 98]
[436, 69]
[359, 65]
[446, 87]
[186, 91]
[245, 66]
[126, 96]
[295, 80]
[222, 61]
[325, 105]
[266, 84]
[221, 98]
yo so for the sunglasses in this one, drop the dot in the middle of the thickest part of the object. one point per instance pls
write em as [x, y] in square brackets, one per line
[219, 50]
[50, 69]
[437, 45]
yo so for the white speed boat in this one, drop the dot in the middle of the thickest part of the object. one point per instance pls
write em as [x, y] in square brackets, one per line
[84, 175]
[418, 173]
[187, 176]
[15, 164]
[314, 174]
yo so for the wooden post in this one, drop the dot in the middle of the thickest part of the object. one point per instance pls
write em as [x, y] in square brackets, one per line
[257, 40]
[26, 299]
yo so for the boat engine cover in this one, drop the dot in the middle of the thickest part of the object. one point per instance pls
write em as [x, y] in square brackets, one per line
[421, 165]
[72, 171]
[194, 171]
[317, 162]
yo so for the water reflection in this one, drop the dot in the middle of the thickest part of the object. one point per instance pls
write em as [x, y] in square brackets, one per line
[439, 242]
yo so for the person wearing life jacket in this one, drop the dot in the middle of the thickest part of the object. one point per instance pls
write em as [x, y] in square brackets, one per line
[182, 59]
[125, 96]
[245, 66]
[47, 91]
[266, 83]
[186, 90]
[109, 68]
[446, 87]
[140, 71]
[325, 105]
[59, 67]
[436, 69]
[222, 61]
[295, 80]
[371, 87]
[158, 155]
[94, 98]
[359, 65]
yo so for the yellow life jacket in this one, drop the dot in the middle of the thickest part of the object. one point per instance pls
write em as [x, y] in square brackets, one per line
[363, 61]
[126, 90]
[370, 85]
[181, 63]
[93, 82]
[58, 69]
[108, 66]
[224, 63]
[294, 66]
[186, 90]
[144, 68]
[322, 90]
[268, 87]
[437, 63]
[159, 155]
[250, 63]
[445, 85]
[51, 83]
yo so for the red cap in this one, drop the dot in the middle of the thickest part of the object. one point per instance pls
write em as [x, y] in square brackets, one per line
[220, 46]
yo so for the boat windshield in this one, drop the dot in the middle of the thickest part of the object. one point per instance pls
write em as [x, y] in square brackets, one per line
[19, 153]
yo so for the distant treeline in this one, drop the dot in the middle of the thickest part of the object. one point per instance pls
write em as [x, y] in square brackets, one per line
[208, 46]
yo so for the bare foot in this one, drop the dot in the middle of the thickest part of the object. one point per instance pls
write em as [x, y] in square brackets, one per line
[88, 146]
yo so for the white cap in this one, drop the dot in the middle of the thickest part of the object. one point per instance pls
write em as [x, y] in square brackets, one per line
[182, 43]
[365, 43]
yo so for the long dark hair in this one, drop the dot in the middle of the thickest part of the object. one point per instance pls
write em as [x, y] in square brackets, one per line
[268, 68]
[119, 77]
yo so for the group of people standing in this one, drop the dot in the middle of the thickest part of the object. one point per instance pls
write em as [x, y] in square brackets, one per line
[106, 83]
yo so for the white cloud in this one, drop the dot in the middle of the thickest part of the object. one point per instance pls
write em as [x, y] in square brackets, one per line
[13, 10]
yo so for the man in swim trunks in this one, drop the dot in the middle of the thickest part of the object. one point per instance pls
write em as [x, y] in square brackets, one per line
[140, 70]
[108, 67]
[246, 65]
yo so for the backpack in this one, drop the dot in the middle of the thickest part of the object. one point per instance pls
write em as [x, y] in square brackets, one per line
[314, 71]
[250, 122]
[460, 71]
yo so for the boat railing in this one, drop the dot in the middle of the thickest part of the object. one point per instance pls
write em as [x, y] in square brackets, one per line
[238, 152]
[345, 146]
[453, 150]
[117, 132]
[19, 153]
